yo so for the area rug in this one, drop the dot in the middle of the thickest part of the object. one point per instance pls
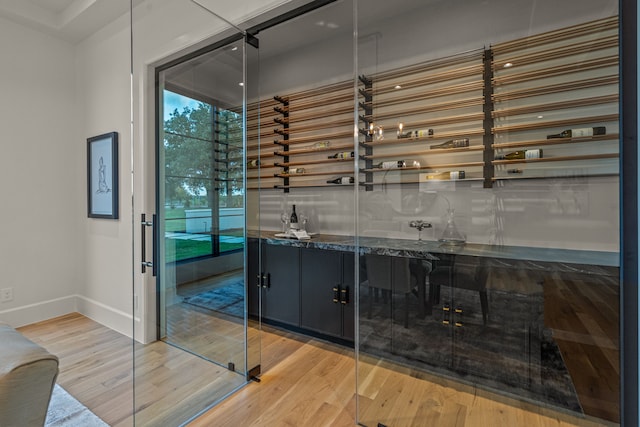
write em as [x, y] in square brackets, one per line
[228, 299]
[65, 411]
[512, 354]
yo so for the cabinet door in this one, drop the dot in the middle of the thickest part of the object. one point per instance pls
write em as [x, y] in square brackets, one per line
[348, 283]
[281, 297]
[321, 273]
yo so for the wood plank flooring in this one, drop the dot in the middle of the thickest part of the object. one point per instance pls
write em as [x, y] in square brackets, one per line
[307, 382]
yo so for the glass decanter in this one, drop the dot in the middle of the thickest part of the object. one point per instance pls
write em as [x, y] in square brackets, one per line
[451, 235]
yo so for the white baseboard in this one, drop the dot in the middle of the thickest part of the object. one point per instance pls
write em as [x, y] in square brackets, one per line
[112, 318]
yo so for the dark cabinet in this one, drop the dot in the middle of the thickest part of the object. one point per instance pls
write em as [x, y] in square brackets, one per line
[326, 292]
[281, 284]
[307, 288]
[275, 284]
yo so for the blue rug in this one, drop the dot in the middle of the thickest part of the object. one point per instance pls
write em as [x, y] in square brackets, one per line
[227, 299]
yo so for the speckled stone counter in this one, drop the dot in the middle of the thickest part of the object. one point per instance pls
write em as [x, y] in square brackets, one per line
[526, 257]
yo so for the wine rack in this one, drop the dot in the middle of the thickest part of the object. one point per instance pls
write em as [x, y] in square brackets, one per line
[548, 83]
[260, 146]
[508, 97]
[316, 124]
[444, 99]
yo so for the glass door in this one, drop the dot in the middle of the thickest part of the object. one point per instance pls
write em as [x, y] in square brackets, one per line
[488, 231]
[200, 354]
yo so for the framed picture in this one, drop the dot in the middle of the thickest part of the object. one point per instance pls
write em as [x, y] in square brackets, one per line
[102, 176]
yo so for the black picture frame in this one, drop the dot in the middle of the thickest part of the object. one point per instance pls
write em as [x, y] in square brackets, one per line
[102, 176]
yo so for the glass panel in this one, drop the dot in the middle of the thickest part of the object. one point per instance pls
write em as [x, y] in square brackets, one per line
[488, 212]
[192, 345]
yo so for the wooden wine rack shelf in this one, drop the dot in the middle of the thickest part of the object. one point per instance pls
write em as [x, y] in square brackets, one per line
[556, 123]
[557, 141]
[319, 173]
[509, 96]
[558, 159]
[430, 151]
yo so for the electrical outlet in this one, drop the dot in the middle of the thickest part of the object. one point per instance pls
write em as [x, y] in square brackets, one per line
[6, 294]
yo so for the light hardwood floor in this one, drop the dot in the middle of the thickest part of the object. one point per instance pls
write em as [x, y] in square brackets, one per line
[307, 382]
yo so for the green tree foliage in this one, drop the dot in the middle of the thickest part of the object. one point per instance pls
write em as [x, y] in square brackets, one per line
[190, 149]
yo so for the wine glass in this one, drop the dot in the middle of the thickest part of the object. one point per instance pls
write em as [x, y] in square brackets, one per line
[284, 218]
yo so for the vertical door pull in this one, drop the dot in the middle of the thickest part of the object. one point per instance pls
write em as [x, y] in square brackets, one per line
[144, 224]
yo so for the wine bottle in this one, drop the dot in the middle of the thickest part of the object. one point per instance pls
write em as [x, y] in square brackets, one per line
[396, 164]
[391, 164]
[453, 175]
[422, 133]
[452, 143]
[321, 145]
[293, 219]
[521, 154]
[253, 163]
[342, 155]
[296, 171]
[580, 132]
[341, 180]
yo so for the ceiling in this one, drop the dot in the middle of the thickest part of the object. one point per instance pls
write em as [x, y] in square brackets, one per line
[70, 20]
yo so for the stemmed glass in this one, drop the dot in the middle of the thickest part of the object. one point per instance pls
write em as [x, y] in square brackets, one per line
[284, 218]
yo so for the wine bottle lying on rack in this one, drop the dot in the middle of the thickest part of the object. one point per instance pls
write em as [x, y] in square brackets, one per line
[341, 180]
[398, 164]
[580, 132]
[521, 154]
[320, 145]
[253, 163]
[424, 133]
[295, 171]
[453, 175]
[452, 143]
[342, 155]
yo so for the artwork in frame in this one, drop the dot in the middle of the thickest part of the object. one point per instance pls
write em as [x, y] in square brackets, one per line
[102, 176]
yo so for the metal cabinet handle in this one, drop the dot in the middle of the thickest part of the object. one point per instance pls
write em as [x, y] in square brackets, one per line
[344, 296]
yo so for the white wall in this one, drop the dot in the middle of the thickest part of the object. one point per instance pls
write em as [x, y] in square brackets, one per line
[41, 176]
[55, 95]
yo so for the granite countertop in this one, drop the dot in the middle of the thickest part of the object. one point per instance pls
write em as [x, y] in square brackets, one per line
[429, 249]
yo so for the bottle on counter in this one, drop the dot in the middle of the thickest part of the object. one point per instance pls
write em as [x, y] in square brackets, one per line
[521, 154]
[341, 180]
[452, 143]
[342, 155]
[580, 132]
[453, 175]
[293, 219]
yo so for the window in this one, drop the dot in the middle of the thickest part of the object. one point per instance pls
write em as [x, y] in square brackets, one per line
[203, 189]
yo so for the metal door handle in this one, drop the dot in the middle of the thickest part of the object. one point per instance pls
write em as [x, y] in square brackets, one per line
[144, 224]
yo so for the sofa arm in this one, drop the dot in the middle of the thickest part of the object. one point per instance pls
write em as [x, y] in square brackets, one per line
[28, 374]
